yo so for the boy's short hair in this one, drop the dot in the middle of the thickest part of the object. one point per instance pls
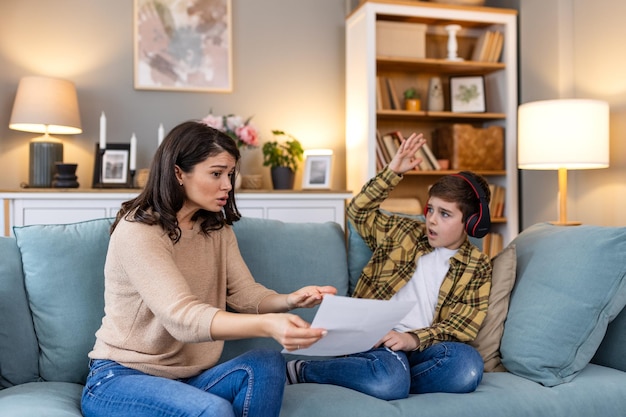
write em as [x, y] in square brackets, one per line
[455, 189]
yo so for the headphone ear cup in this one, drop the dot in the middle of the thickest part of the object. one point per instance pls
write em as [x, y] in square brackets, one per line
[470, 223]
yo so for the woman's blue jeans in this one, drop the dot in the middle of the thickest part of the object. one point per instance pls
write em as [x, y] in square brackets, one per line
[444, 367]
[249, 385]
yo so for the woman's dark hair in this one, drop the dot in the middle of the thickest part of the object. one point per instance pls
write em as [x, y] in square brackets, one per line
[185, 146]
[454, 189]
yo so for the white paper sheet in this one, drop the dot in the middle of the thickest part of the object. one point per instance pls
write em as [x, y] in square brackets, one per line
[353, 324]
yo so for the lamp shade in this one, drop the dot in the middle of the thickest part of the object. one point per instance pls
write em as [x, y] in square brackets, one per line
[46, 105]
[564, 133]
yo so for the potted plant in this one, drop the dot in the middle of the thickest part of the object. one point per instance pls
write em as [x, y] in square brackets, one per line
[282, 158]
[412, 101]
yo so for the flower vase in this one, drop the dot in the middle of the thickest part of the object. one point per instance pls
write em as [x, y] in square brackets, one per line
[238, 180]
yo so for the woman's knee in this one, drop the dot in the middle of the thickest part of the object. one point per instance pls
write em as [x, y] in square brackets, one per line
[267, 364]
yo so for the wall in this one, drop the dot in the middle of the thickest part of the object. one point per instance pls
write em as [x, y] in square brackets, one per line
[573, 48]
[288, 74]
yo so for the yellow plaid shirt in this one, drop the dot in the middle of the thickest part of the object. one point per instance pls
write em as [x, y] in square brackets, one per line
[397, 243]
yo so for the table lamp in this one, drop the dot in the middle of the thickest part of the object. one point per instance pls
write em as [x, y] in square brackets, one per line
[49, 106]
[563, 134]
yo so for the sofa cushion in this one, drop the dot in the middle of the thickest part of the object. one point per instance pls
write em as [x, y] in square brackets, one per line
[611, 350]
[570, 284]
[18, 344]
[487, 341]
[50, 399]
[64, 278]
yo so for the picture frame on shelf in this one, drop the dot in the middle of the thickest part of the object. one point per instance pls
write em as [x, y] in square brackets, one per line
[111, 167]
[317, 171]
[467, 94]
[182, 48]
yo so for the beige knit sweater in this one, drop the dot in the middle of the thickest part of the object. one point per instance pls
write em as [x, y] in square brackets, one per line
[160, 298]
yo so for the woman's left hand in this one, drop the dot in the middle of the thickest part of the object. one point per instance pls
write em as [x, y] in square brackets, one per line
[309, 296]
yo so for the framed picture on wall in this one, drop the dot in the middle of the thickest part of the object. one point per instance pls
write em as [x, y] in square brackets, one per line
[317, 171]
[467, 94]
[183, 46]
[111, 167]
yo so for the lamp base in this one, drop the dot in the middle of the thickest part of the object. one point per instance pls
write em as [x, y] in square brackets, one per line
[566, 223]
[44, 152]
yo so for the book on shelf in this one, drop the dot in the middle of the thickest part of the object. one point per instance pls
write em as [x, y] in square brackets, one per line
[391, 144]
[492, 244]
[393, 96]
[496, 205]
[382, 148]
[382, 93]
[488, 46]
[432, 159]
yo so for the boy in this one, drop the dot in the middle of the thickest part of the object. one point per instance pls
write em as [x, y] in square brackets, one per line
[432, 264]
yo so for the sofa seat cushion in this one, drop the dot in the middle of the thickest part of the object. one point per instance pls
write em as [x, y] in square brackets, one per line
[571, 282]
[64, 277]
[598, 391]
[49, 399]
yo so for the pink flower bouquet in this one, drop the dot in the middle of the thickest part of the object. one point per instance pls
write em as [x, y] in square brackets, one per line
[242, 132]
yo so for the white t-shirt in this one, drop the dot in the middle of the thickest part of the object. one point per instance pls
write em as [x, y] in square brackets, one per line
[423, 289]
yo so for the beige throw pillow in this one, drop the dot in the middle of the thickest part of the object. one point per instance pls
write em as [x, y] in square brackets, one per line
[487, 341]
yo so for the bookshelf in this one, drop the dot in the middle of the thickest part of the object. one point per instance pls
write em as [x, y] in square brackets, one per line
[369, 115]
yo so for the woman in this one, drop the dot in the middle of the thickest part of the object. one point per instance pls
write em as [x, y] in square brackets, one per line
[172, 266]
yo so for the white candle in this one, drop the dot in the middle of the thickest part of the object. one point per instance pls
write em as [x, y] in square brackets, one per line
[160, 134]
[103, 131]
[133, 152]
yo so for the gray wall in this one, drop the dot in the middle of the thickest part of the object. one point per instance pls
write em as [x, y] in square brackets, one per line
[288, 73]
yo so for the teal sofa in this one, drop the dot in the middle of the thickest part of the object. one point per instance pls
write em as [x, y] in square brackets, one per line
[563, 340]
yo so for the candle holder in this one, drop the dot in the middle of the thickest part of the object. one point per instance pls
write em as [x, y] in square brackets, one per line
[131, 180]
[452, 43]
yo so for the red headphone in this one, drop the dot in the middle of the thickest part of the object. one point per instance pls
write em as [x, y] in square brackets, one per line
[477, 224]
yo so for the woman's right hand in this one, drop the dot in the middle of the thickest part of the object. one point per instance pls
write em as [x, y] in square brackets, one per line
[293, 332]
[290, 330]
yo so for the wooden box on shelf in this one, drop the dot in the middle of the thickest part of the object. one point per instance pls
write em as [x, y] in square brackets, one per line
[469, 147]
[401, 39]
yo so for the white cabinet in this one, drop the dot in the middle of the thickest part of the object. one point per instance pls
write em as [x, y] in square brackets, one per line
[367, 64]
[55, 207]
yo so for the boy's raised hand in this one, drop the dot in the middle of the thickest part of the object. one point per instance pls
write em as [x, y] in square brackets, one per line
[405, 159]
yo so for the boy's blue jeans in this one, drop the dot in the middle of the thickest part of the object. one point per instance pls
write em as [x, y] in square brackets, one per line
[444, 367]
[249, 385]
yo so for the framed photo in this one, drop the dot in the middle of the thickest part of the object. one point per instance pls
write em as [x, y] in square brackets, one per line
[317, 171]
[467, 94]
[111, 166]
[183, 46]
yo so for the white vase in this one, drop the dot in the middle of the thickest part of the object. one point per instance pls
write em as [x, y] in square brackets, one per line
[238, 180]
[435, 95]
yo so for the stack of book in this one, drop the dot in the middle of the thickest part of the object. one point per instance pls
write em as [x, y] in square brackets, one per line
[387, 95]
[488, 46]
[388, 144]
[496, 205]
[492, 244]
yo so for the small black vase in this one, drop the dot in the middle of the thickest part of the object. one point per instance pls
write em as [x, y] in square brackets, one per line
[282, 178]
[65, 176]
